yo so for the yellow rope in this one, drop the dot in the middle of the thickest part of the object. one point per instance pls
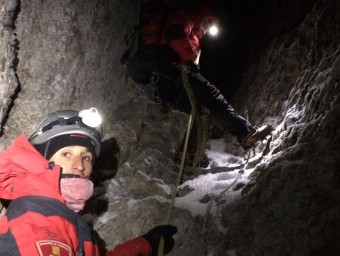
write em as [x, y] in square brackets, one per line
[174, 192]
[194, 111]
[194, 114]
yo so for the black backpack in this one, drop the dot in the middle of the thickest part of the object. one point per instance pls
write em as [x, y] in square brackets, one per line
[143, 56]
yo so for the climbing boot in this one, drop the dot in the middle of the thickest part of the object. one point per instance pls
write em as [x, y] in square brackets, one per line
[259, 134]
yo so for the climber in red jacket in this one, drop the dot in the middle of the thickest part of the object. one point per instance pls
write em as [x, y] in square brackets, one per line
[170, 41]
[46, 179]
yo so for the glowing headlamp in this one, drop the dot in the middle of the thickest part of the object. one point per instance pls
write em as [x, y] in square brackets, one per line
[90, 117]
[213, 30]
[210, 26]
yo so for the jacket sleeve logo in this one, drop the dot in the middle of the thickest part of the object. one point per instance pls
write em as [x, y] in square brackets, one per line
[53, 248]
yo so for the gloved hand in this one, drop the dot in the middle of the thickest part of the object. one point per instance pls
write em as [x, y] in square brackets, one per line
[155, 234]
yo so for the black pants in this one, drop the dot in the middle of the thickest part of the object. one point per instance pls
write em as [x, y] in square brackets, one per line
[171, 90]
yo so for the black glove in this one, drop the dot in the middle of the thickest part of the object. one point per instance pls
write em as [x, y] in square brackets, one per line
[155, 234]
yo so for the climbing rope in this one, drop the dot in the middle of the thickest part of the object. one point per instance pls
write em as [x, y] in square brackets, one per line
[194, 113]
[174, 192]
[193, 116]
[201, 126]
[201, 122]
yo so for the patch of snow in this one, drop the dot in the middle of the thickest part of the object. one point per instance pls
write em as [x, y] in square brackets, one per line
[104, 218]
[218, 156]
[132, 202]
[205, 188]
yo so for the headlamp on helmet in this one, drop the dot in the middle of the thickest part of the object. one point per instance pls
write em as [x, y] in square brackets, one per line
[213, 30]
[85, 122]
[90, 117]
[210, 25]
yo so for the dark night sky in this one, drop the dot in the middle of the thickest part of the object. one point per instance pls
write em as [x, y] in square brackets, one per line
[223, 57]
[245, 33]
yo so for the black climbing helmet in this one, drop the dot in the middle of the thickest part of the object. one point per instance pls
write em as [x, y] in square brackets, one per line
[85, 122]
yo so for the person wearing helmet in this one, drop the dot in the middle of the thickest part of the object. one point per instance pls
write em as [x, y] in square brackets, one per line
[46, 178]
[181, 33]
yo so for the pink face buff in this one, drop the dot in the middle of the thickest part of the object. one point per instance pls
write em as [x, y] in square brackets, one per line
[76, 191]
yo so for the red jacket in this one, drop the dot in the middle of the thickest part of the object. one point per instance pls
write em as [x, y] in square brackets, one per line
[37, 221]
[178, 30]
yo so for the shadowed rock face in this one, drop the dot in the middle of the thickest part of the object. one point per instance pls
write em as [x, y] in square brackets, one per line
[65, 54]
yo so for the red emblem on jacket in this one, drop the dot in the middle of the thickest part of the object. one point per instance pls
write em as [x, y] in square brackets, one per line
[53, 248]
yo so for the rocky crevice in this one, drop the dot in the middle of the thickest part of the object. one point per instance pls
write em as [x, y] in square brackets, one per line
[66, 55]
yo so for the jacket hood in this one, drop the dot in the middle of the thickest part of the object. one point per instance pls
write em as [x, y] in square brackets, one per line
[25, 172]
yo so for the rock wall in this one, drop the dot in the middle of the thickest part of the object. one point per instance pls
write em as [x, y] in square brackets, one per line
[292, 205]
[59, 55]
[8, 46]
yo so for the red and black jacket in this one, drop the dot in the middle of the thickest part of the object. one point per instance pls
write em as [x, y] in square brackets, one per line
[177, 30]
[37, 221]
